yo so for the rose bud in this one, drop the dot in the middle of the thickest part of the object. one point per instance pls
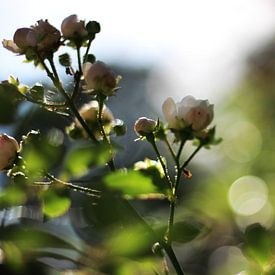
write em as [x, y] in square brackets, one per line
[48, 37]
[189, 112]
[144, 126]
[71, 27]
[23, 38]
[99, 77]
[89, 112]
[8, 151]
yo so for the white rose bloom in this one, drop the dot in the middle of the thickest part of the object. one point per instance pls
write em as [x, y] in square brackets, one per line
[189, 112]
[8, 151]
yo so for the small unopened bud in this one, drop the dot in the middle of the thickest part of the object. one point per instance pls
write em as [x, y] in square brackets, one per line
[144, 126]
[8, 151]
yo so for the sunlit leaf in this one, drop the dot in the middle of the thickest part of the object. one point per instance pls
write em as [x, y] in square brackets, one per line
[80, 159]
[130, 183]
[40, 153]
[55, 205]
[130, 241]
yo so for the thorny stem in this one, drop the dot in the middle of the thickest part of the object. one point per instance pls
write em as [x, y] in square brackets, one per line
[86, 190]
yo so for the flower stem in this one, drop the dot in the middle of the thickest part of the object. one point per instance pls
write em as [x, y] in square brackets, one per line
[170, 149]
[105, 138]
[151, 139]
[79, 60]
[86, 190]
[171, 254]
[87, 50]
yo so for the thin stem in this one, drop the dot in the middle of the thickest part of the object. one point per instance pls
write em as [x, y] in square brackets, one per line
[171, 220]
[180, 150]
[76, 85]
[79, 60]
[87, 50]
[171, 254]
[165, 170]
[105, 138]
[86, 190]
[174, 194]
[170, 149]
[191, 157]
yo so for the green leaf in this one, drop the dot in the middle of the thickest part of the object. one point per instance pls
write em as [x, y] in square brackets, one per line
[40, 153]
[131, 241]
[258, 244]
[10, 98]
[80, 159]
[54, 204]
[130, 183]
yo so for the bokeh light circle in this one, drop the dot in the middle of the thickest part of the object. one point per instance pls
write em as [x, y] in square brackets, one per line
[248, 195]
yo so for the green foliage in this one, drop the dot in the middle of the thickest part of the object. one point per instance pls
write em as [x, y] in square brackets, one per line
[130, 183]
[81, 158]
[55, 204]
[259, 244]
[10, 98]
[40, 154]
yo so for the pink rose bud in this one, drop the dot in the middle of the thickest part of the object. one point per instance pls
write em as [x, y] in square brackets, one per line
[48, 37]
[100, 77]
[24, 38]
[144, 126]
[8, 151]
[71, 27]
[189, 112]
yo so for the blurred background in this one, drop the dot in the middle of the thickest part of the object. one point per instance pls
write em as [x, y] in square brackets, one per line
[219, 50]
